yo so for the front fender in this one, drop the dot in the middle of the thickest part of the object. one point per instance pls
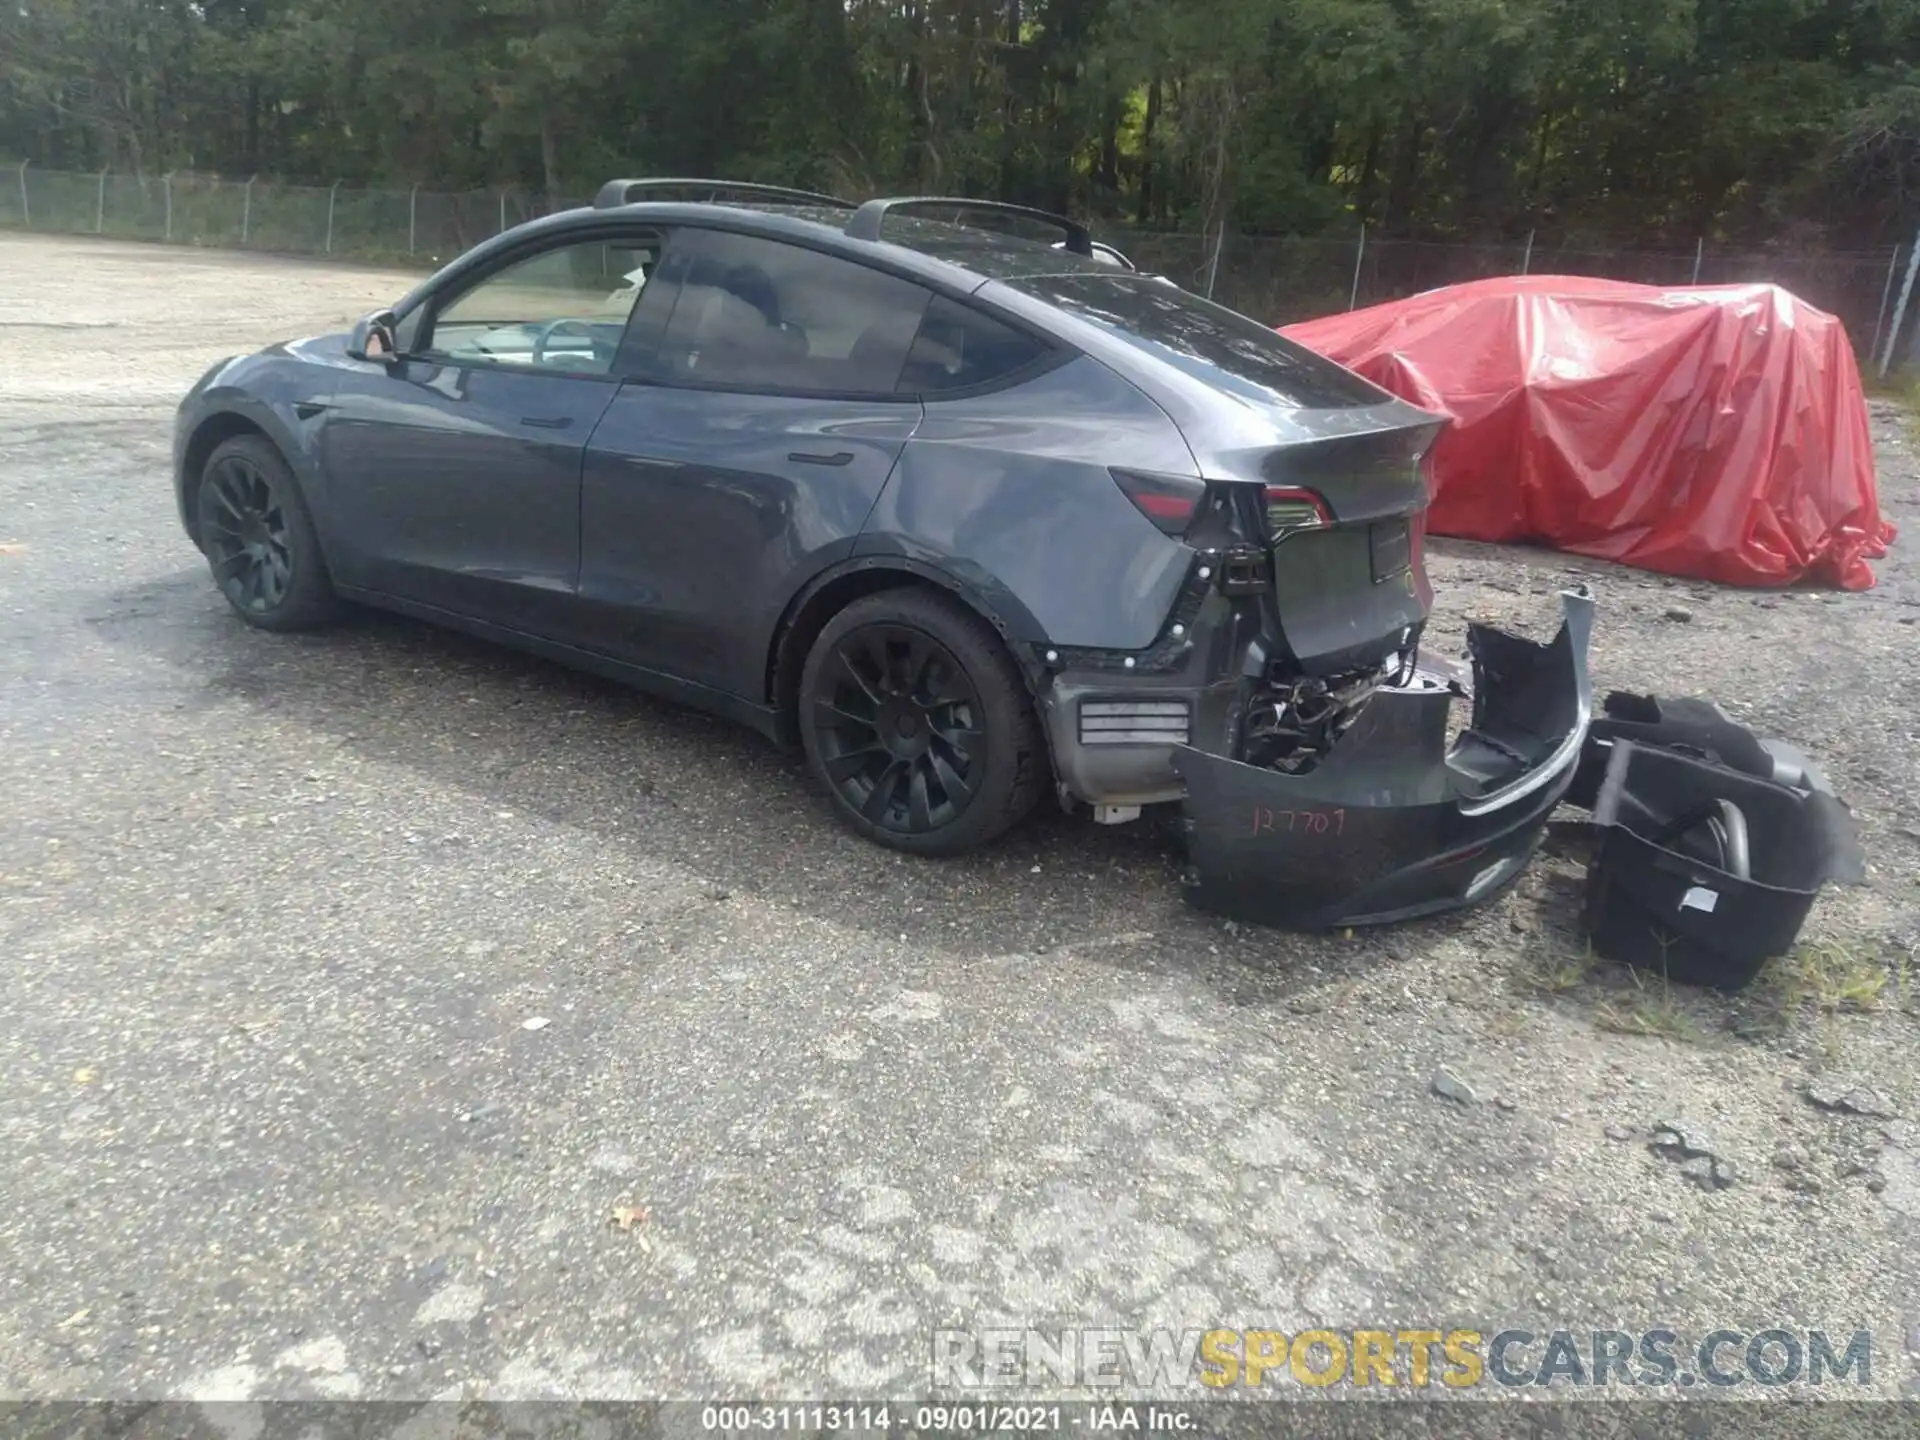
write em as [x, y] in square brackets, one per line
[278, 394]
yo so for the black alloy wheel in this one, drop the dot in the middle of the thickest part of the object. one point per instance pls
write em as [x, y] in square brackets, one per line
[259, 540]
[917, 724]
[246, 535]
[899, 726]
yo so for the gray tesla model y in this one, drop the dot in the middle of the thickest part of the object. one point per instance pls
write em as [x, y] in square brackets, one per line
[972, 511]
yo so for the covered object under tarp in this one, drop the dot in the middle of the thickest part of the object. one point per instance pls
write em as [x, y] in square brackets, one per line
[1717, 432]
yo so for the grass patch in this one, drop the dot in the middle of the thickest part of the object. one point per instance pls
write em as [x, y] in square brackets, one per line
[1903, 388]
[1649, 1010]
[1833, 977]
[1508, 1023]
[1901, 385]
[1827, 979]
[1558, 971]
[1817, 985]
[1643, 1004]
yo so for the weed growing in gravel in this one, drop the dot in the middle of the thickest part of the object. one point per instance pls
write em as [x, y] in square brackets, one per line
[1508, 1023]
[1648, 1012]
[1820, 980]
[1560, 969]
[1826, 979]
[1831, 977]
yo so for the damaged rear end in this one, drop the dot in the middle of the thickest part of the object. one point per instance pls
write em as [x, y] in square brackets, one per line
[1285, 706]
[1341, 794]
[1394, 820]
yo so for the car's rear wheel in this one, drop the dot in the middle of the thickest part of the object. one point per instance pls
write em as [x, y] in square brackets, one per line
[259, 539]
[917, 724]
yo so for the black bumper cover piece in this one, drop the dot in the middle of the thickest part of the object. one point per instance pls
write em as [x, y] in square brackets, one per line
[1703, 872]
[1393, 823]
[1691, 725]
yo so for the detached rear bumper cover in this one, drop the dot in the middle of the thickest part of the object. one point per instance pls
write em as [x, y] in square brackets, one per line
[1393, 824]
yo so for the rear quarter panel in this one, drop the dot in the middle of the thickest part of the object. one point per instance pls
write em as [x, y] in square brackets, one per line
[1239, 431]
[1009, 492]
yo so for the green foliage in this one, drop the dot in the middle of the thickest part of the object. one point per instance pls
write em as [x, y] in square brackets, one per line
[1655, 120]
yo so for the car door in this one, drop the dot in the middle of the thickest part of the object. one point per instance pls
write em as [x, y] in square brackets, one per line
[454, 472]
[747, 455]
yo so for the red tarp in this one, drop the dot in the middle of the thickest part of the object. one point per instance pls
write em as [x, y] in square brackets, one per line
[1717, 432]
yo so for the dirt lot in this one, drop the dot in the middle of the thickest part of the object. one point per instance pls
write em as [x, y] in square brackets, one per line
[275, 913]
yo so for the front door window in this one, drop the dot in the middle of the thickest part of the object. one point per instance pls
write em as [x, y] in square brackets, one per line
[564, 309]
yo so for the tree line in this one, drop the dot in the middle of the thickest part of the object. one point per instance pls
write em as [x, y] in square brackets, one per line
[1637, 121]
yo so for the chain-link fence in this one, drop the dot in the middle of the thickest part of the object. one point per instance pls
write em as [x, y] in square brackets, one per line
[1279, 279]
[425, 226]
[1288, 279]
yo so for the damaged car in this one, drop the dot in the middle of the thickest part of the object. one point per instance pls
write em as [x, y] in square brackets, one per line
[971, 516]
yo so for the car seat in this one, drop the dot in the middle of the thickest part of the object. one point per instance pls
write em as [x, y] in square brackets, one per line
[874, 362]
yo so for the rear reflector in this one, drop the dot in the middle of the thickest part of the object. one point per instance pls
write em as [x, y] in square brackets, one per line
[1289, 510]
[1133, 722]
[1169, 501]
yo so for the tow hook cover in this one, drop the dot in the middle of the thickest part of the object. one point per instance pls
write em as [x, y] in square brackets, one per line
[1394, 823]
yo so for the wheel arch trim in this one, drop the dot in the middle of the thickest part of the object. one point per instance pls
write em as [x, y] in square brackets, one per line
[1016, 626]
[227, 415]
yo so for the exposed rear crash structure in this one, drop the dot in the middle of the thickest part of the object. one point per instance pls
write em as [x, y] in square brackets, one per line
[1396, 820]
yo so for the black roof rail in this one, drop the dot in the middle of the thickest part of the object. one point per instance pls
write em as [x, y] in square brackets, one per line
[867, 220]
[626, 192]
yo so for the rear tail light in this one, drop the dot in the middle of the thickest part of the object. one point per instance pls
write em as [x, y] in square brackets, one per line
[1289, 510]
[1170, 501]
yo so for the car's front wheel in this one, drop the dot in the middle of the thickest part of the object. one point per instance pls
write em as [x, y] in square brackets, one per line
[259, 538]
[917, 724]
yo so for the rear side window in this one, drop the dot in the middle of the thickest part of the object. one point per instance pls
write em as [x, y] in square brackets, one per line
[1208, 341]
[958, 348]
[764, 315]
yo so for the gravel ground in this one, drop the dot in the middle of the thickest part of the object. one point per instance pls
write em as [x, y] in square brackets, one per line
[277, 916]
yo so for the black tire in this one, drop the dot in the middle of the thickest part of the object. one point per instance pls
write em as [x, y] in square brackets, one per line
[910, 690]
[259, 539]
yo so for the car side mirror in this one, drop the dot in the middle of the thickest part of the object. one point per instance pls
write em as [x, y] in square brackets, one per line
[373, 339]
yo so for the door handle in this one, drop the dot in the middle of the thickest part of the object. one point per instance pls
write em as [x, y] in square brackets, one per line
[547, 422]
[807, 457]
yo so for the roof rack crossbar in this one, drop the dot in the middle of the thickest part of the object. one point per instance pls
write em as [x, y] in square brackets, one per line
[867, 220]
[626, 192]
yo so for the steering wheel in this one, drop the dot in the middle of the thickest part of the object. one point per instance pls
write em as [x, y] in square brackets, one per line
[555, 327]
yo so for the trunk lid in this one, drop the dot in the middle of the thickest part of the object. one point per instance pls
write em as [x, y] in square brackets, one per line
[1345, 516]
